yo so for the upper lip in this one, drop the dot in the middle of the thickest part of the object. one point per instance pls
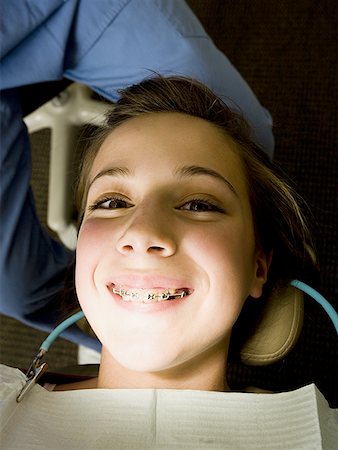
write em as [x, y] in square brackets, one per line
[148, 281]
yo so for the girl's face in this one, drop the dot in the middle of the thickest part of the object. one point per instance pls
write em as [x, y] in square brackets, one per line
[167, 215]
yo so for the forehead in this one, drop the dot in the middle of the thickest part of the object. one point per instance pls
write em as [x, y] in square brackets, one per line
[169, 139]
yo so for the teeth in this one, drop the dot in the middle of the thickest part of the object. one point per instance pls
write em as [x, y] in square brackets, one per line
[144, 296]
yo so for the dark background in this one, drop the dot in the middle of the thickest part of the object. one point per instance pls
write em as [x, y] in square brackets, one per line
[287, 51]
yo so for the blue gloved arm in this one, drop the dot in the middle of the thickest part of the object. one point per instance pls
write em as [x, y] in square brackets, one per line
[112, 44]
[32, 264]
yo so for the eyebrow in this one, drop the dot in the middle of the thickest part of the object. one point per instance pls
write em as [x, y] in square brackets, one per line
[112, 172]
[188, 171]
[185, 171]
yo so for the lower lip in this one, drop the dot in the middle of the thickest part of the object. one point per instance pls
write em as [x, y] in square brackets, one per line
[148, 307]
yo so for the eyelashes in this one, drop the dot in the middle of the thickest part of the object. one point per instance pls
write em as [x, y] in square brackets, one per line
[201, 205]
[195, 205]
[110, 202]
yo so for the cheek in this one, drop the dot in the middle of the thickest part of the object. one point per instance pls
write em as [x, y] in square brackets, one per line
[93, 233]
[89, 250]
[95, 237]
[87, 246]
[226, 253]
[230, 244]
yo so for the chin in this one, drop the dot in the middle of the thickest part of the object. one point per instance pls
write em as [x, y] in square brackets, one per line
[145, 361]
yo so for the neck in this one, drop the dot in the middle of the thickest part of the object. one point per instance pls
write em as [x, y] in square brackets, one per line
[206, 372]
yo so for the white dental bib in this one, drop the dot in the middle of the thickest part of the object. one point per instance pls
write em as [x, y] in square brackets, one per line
[162, 419]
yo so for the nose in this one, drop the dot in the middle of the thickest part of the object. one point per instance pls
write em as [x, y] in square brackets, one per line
[148, 232]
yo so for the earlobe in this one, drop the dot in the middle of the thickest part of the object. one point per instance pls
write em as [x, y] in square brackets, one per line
[263, 262]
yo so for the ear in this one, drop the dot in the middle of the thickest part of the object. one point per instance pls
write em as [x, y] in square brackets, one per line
[262, 264]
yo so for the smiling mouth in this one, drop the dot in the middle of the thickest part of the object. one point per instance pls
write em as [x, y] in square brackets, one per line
[149, 295]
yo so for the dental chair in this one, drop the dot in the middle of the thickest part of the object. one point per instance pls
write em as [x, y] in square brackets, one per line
[64, 115]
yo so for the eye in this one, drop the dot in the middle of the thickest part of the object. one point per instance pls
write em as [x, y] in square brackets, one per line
[200, 205]
[113, 202]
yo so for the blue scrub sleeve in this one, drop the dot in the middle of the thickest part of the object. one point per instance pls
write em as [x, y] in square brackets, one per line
[107, 45]
[112, 44]
[32, 264]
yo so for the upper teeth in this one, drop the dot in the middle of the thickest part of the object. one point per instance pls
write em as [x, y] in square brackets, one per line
[148, 296]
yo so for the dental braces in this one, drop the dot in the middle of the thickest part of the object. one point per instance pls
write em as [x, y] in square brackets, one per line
[144, 296]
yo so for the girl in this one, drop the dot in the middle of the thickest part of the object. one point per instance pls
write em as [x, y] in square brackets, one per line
[181, 221]
[183, 224]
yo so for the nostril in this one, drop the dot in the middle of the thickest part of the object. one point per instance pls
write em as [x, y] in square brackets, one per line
[127, 248]
[144, 244]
